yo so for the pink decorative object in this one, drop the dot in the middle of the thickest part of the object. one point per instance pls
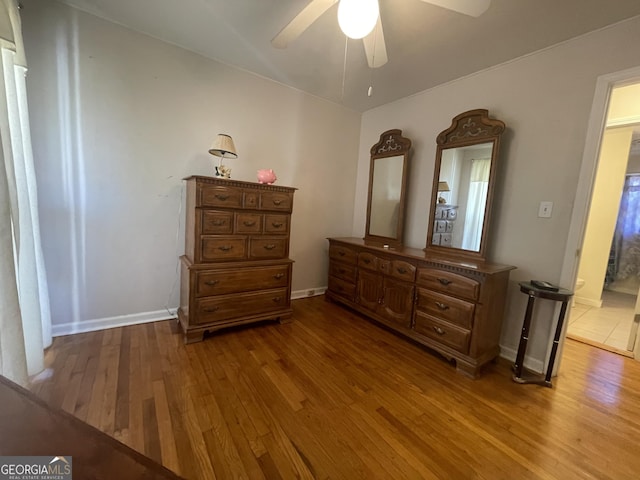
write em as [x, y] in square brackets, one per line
[266, 176]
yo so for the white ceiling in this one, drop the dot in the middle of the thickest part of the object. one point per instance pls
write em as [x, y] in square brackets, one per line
[426, 45]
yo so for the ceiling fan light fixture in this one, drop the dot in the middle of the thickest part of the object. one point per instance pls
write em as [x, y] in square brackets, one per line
[357, 18]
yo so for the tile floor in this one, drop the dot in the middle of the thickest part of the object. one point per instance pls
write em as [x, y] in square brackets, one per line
[609, 325]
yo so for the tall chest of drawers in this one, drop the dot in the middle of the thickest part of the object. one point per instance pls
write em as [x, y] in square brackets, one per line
[235, 269]
[451, 307]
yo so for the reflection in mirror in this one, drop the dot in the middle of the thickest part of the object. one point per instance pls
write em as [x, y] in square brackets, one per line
[387, 185]
[465, 171]
[386, 196]
[463, 185]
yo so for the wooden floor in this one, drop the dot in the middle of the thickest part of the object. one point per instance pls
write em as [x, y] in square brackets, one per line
[331, 395]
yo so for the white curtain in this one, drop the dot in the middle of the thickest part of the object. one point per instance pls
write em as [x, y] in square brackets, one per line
[25, 318]
[476, 203]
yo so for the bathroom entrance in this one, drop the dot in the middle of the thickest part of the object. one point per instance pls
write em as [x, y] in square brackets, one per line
[608, 276]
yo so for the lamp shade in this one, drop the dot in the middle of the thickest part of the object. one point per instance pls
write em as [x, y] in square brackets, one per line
[443, 187]
[357, 18]
[223, 147]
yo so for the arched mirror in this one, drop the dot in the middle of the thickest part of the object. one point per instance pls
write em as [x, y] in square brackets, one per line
[387, 186]
[463, 185]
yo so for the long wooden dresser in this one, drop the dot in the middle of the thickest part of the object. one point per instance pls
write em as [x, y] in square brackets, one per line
[455, 308]
[236, 268]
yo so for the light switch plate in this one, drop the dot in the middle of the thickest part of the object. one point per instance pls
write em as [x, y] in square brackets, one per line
[545, 209]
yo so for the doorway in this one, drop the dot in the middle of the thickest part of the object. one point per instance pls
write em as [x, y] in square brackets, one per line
[603, 266]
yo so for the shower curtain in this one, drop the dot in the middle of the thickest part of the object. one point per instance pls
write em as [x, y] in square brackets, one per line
[624, 260]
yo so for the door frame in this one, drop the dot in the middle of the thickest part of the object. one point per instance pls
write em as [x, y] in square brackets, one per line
[582, 200]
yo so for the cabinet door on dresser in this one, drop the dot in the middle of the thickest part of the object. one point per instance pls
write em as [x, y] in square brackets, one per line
[385, 287]
[397, 302]
[368, 289]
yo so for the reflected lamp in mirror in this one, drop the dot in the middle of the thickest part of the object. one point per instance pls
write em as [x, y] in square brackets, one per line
[466, 163]
[387, 189]
[443, 187]
[223, 147]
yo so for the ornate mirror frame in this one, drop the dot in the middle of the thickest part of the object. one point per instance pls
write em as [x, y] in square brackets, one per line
[470, 132]
[386, 203]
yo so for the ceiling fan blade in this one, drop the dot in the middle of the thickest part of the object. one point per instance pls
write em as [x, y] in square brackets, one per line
[301, 22]
[473, 8]
[375, 47]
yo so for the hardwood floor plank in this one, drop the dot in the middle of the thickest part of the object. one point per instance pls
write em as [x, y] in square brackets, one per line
[168, 449]
[334, 396]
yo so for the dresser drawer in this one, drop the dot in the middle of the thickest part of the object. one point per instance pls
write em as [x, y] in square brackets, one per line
[343, 271]
[341, 287]
[369, 261]
[445, 307]
[402, 270]
[248, 223]
[218, 196]
[223, 307]
[216, 222]
[342, 253]
[274, 224]
[448, 282]
[225, 281]
[216, 249]
[276, 201]
[442, 332]
[251, 199]
[268, 247]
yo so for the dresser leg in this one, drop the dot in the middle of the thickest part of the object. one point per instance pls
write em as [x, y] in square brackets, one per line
[285, 319]
[193, 337]
[466, 369]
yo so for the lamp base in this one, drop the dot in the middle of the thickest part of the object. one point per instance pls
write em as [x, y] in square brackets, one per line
[222, 171]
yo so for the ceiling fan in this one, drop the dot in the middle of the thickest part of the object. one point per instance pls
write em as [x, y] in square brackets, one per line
[373, 38]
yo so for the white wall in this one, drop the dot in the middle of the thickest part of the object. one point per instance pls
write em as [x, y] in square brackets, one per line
[545, 100]
[119, 118]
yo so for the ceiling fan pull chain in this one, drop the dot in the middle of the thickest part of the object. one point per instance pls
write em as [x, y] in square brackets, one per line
[344, 67]
[373, 61]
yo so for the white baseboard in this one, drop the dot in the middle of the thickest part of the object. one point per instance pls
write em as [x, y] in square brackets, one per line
[61, 329]
[532, 364]
[309, 292]
[57, 330]
[587, 301]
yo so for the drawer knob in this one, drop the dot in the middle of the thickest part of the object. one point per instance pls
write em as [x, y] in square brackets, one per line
[444, 281]
[401, 270]
[269, 246]
[439, 331]
[218, 223]
[442, 306]
[277, 299]
[225, 248]
[278, 276]
[341, 253]
[211, 309]
[222, 197]
[277, 202]
[211, 283]
[276, 224]
[249, 223]
[367, 261]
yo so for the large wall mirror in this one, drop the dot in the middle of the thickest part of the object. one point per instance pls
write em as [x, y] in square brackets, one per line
[463, 185]
[387, 188]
